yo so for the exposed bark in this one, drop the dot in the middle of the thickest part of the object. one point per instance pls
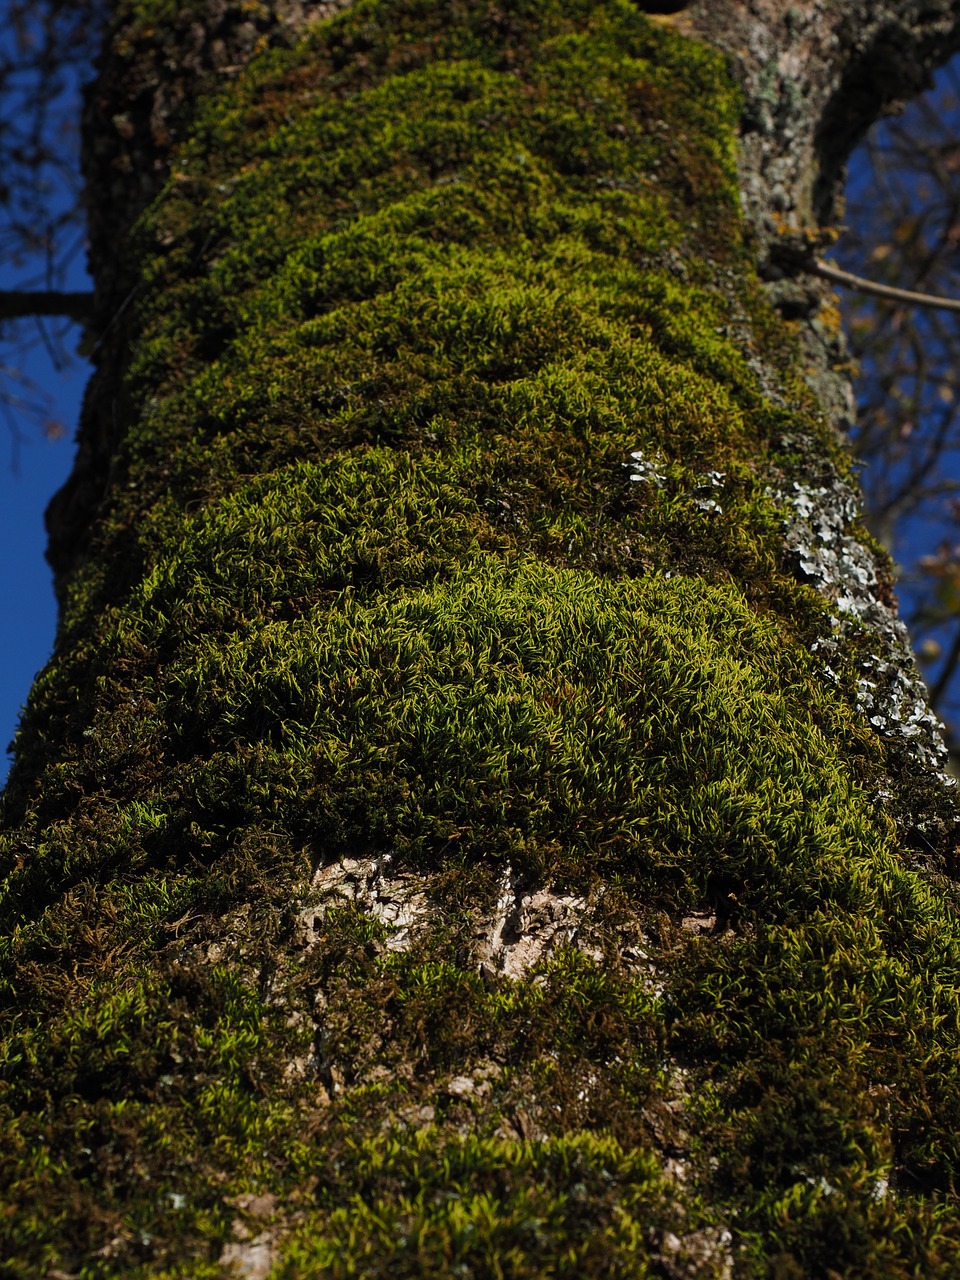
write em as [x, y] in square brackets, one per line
[482, 816]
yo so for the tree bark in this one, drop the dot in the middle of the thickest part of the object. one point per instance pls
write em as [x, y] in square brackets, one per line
[482, 816]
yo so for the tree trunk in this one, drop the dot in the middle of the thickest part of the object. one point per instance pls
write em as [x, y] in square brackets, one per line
[482, 817]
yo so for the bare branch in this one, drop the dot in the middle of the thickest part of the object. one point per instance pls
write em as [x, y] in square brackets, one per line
[15, 304]
[851, 281]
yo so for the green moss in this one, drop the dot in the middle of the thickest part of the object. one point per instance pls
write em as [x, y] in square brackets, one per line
[575, 1205]
[372, 582]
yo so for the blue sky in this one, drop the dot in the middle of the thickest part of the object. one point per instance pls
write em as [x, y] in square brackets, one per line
[34, 463]
[30, 472]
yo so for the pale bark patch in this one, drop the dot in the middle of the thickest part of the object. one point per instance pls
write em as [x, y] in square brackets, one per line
[396, 899]
[251, 1259]
[526, 926]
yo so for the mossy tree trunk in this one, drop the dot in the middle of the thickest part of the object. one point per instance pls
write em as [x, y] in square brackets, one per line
[480, 818]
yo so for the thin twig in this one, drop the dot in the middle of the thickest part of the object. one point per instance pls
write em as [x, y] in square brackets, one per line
[883, 290]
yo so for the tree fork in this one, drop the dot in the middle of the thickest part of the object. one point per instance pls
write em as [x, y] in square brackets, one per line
[482, 816]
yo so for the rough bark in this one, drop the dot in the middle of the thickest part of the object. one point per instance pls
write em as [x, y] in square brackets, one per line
[482, 817]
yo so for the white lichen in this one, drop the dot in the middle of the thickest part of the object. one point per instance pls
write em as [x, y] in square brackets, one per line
[890, 692]
[707, 485]
[645, 470]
